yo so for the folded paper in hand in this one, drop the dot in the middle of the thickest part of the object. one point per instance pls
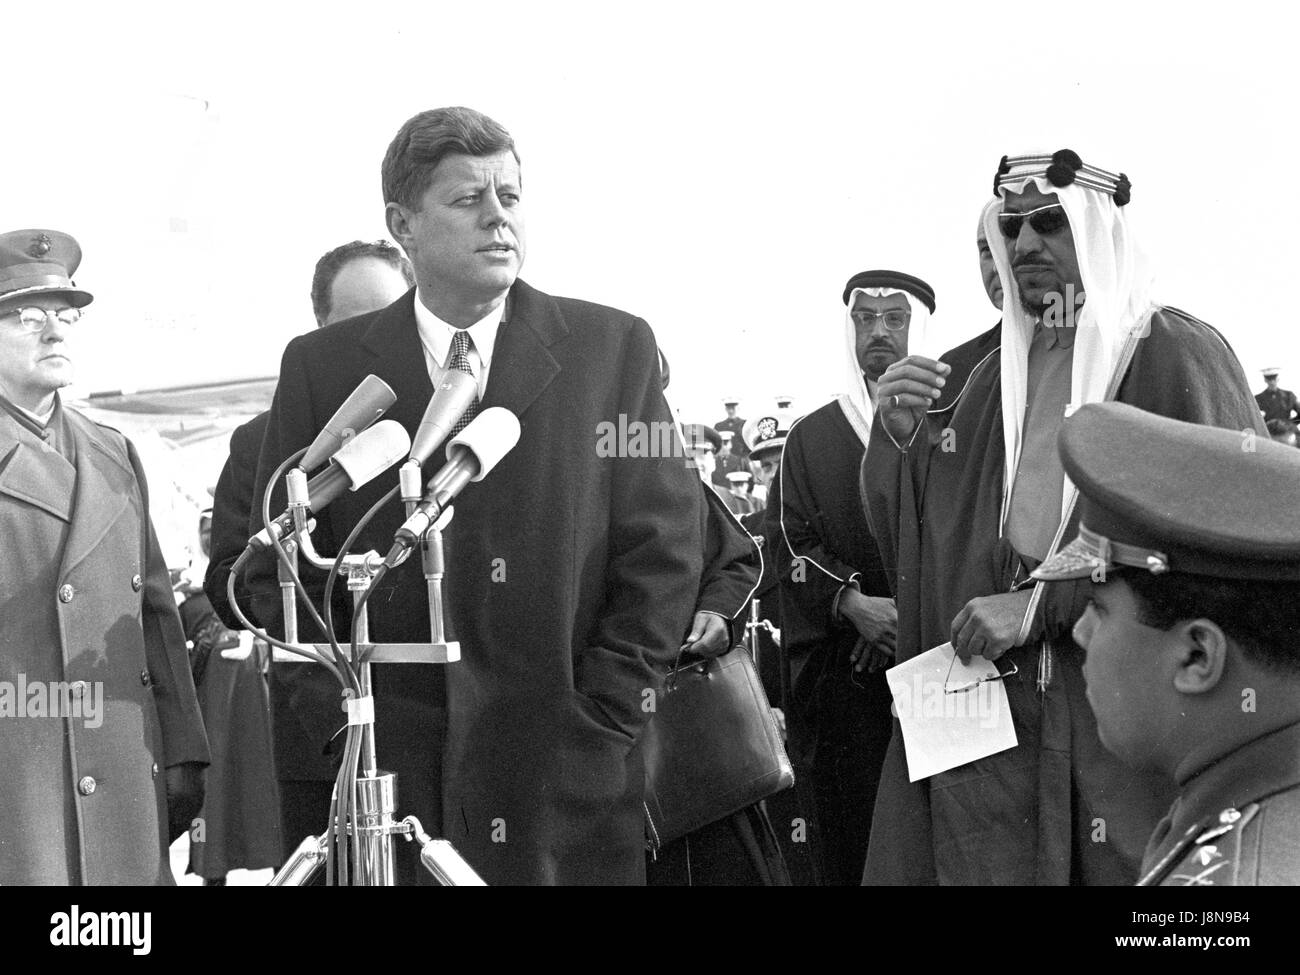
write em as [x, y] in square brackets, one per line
[951, 713]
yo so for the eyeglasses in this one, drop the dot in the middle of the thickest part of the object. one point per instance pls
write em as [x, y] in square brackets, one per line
[1044, 220]
[895, 321]
[975, 683]
[34, 319]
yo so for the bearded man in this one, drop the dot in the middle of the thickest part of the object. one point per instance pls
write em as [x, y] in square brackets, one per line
[966, 503]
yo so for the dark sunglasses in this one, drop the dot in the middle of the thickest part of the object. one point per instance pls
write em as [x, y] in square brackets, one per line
[1044, 220]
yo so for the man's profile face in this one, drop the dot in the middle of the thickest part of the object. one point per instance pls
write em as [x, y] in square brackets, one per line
[1123, 667]
[704, 460]
[876, 345]
[765, 470]
[989, 272]
[34, 364]
[362, 285]
[1042, 264]
[466, 240]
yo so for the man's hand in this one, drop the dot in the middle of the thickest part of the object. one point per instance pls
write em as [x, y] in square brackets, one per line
[989, 625]
[876, 620]
[870, 658]
[709, 637]
[184, 797]
[907, 389]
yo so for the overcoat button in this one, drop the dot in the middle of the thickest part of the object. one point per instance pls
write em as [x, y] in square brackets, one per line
[137, 583]
[145, 678]
[66, 592]
[86, 786]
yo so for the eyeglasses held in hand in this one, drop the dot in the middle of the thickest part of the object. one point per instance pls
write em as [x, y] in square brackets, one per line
[975, 683]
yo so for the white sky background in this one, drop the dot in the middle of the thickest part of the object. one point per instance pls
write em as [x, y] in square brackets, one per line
[719, 169]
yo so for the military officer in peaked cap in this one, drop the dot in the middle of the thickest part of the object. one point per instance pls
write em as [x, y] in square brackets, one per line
[101, 744]
[1192, 633]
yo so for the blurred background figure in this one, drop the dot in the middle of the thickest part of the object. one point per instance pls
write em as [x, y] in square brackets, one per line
[733, 424]
[728, 461]
[239, 824]
[738, 497]
[1283, 431]
[358, 277]
[702, 444]
[1275, 403]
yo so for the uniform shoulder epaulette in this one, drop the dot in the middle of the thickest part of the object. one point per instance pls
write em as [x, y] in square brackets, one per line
[1207, 856]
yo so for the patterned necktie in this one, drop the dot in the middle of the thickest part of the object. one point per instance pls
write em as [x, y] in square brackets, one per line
[459, 359]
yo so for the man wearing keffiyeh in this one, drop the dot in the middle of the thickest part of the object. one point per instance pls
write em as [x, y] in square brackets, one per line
[966, 502]
[838, 619]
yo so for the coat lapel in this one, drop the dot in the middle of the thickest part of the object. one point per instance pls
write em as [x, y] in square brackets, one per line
[393, 341]
[522, 363]
[32, 472]
[105, 483]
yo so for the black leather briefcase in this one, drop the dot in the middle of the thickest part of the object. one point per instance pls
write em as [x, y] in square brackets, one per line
[713, 747]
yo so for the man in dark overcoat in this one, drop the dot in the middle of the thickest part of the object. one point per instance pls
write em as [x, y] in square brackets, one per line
[571, 567]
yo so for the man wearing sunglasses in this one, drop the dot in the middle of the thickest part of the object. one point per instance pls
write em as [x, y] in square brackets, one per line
[967, 502]
[838, 619]
[101, 744]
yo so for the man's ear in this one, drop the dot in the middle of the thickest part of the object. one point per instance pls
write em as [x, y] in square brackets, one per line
[1202, 656]
[398, 219]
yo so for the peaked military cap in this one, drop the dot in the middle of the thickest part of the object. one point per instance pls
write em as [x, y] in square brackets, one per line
[766, 434]
[40, 262]
[701, 436]
[1164, 495]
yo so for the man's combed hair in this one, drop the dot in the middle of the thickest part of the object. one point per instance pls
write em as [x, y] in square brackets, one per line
[427, 138]
[328, 267]
[1262, 617]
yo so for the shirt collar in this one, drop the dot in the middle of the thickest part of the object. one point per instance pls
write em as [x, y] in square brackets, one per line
[36, 423]
[437, 334]
[1056, 337]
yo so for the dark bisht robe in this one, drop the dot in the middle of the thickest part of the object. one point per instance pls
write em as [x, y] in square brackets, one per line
[1057, 808]
[839, 720]
[963, 360]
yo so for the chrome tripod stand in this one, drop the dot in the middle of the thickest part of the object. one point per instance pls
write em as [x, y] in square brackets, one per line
[363, 832]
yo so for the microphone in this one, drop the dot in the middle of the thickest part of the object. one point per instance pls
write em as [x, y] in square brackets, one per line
[471, 456]
[358, 461]
[366, 404]
[454, 395]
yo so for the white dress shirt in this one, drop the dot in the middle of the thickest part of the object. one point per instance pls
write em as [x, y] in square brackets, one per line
[436, 336]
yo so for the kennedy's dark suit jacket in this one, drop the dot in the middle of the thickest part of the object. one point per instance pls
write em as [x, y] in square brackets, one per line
[572, 576]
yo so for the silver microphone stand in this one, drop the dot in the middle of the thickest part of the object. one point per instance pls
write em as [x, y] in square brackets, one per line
[372, 829]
